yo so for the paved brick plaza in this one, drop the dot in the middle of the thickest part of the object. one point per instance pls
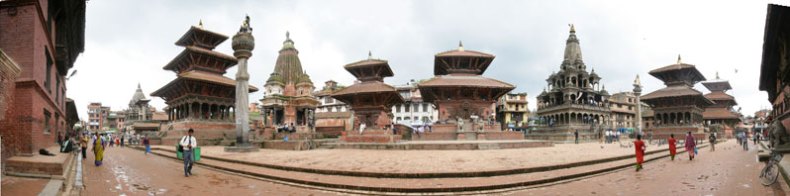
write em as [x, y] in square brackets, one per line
[414, 161]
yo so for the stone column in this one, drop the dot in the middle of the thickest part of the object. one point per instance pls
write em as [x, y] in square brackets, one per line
[637, 93]
[243, 43]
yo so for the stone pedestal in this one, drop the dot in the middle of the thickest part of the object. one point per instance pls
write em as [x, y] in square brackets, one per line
[461, 136]
[481, 136]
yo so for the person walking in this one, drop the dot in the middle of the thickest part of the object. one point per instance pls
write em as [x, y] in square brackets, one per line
[712, 139]
[576, 136]
[147, 144]
[691, 145]
[98, 150]
[672, 146]
[188, 142]
[640, 148]
[84, 146]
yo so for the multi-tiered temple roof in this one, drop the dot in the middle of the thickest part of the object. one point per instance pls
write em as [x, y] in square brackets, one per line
[722, 109]
[371, 73]
[199, 68]
[459, 69]
[678, 108]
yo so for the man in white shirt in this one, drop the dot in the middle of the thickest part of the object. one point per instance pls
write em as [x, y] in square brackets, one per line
[188, 142]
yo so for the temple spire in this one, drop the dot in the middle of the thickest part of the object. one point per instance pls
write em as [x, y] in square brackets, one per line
[717, 75]
[679, 59]
[573, 51]
[200, 23]
[370, 55]
[460, 46]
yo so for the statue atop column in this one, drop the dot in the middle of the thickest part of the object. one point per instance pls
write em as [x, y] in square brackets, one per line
[243, 43]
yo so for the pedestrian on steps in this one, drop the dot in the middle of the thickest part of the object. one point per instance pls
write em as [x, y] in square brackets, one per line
[640, 148]
[188, 142]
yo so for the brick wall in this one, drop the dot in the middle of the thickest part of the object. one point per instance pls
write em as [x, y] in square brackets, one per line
[25, 38]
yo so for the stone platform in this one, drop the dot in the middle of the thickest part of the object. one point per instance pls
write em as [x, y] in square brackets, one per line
[40, 165]
[370, 136]
[443, 145]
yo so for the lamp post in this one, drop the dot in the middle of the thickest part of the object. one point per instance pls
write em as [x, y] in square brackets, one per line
[637, 93]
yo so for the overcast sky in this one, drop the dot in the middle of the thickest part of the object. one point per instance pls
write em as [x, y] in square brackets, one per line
[129, 41]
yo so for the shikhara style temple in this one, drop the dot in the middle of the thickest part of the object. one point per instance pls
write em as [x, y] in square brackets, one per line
[288, 99]
[720, 113]
[574, 99]
[371, 101]
[464, 98]
[678, 108]
[200, 97]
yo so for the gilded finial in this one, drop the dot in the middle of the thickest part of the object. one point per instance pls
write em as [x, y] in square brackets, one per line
[200, 23]
[678, 58]
[370, 55]
[573, 29]
[636, 81]
[287, 35]
[460, 46]
[717, 75]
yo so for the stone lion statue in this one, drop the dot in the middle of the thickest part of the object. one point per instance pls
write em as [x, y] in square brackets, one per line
[778, 134]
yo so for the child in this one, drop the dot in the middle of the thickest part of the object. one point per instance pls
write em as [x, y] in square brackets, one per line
[672, 146]
[640, 147]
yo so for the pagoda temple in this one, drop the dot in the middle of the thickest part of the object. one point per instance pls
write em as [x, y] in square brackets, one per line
[574, 99]
[200, 97]
[464, 98]
[720, 113]
[371, 101]
[677, 108]
[288, 99]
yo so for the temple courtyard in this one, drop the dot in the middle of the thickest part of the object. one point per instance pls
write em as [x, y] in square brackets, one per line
[584, 169]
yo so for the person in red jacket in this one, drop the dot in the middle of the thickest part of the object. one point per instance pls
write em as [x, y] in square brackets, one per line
[672, 146]
[640, 147]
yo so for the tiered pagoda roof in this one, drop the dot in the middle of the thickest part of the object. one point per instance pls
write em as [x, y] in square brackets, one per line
[679, 79]
[463, 69]
[199, 69]
[371, 73]
[724, 102]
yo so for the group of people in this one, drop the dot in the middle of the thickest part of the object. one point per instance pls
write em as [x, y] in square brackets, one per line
[99, 142]
[612, 136]
[286, 128]
[690, 145]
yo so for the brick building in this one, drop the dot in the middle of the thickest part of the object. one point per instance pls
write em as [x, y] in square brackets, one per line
[512, 111]
[44, 38]
[98, 116]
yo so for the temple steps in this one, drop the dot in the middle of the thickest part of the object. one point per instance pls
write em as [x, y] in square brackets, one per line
[382, 183]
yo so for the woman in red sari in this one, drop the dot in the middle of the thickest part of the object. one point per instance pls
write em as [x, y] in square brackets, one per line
[672, 147]
[640, 147]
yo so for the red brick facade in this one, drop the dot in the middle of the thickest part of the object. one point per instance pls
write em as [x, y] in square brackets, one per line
[28, 35]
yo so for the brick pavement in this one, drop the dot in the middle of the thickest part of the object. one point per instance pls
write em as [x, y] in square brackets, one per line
[129, 172]
[727, 171]
[421, 185]
[428, 161]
